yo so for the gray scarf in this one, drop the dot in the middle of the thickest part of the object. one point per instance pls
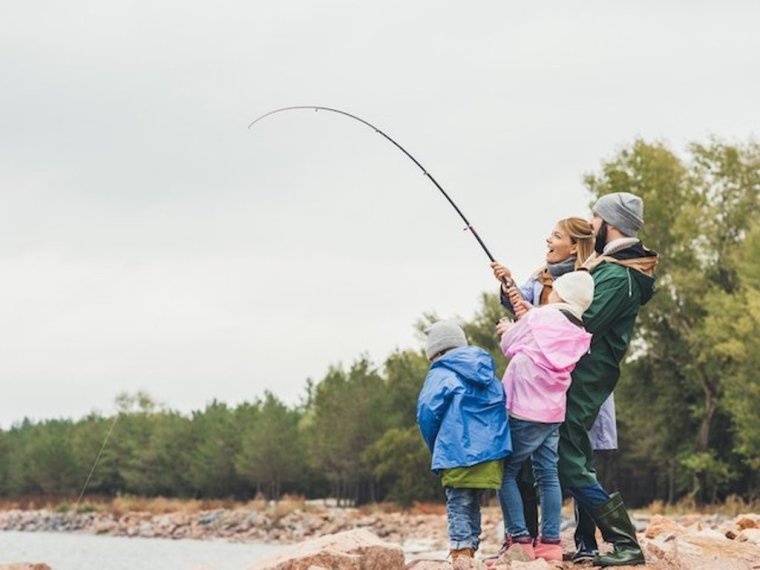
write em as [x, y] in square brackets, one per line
[556, 270]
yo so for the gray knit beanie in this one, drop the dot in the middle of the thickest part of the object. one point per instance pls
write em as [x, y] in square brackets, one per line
[443, 335]
[623, 210]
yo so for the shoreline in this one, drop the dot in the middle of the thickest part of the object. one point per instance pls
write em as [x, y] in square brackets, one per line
[420, 530]
[422, 536]
[278, 524]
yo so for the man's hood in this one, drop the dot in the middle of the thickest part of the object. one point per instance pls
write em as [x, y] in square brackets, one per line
[637, 257]
[470, 363]
[640, 261]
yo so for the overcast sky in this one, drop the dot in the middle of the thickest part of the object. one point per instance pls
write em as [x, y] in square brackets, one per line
[148, 240]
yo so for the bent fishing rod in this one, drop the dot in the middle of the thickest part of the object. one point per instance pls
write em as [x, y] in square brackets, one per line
[468, 226]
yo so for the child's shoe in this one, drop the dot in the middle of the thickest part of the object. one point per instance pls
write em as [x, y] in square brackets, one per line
[583, 554]
[461, 553]
[549, 550]
[493, 560]
[524, 543]
[505, 545]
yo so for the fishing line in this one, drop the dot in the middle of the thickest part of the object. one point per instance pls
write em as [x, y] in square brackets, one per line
[468, 226]
[95, 464]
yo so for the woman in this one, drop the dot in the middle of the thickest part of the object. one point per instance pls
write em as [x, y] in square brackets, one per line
[569, 244]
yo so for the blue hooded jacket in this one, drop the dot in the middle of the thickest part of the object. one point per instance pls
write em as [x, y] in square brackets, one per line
[461, 410]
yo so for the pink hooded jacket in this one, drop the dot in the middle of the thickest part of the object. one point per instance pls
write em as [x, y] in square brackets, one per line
[544, 347]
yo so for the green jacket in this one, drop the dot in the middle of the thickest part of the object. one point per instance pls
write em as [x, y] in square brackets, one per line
[623, 282]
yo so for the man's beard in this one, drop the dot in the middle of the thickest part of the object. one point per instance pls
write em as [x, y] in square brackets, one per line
[601, 239]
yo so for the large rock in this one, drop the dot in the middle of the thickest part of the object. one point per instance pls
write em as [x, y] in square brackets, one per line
[750, 535]
[661, 525]
[701, 550]
[351, 550]
[747, 521]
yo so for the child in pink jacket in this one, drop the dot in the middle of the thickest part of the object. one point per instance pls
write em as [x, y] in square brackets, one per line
[543, 348]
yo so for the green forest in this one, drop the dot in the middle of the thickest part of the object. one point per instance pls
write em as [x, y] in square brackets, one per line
[687, 400]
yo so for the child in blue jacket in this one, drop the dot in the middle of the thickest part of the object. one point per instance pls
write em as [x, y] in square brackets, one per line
[462, 415]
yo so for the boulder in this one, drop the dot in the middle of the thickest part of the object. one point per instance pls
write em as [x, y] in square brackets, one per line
[351, 550]
[751, 535]
[747, 521]
[701, 550]
[661, 525]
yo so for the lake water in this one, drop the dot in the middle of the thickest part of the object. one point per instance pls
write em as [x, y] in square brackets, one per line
[64, 551]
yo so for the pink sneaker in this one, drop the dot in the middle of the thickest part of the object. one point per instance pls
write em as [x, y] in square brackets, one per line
[549, 551]
[492, 560]
[526, 547]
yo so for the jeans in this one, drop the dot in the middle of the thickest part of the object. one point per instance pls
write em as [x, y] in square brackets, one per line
[537, 441]
[589, 497]
[463, 509]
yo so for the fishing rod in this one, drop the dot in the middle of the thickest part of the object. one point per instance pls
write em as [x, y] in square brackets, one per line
[468, 226]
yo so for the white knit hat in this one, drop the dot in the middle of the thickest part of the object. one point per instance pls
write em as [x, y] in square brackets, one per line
[576, 289]
[443, 335]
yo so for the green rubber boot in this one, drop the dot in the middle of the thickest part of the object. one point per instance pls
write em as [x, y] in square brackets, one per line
[617, 529]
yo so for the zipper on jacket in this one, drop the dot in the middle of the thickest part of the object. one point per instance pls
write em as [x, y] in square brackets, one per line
[630, 290]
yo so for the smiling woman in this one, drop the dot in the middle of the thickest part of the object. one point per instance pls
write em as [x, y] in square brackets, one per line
[569, 244]
[571, 238]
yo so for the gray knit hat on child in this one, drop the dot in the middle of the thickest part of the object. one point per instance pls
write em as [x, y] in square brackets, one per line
[443, 335]
[623, 210]
[576, 289]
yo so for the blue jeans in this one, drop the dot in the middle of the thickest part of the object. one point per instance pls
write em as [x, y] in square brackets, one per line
[463, 509]
[590, 497]
[539, 442]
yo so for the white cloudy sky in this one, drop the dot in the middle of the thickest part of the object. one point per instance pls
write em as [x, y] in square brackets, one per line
[148, 240]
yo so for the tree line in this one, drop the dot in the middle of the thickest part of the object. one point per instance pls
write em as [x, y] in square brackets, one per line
[687, 399]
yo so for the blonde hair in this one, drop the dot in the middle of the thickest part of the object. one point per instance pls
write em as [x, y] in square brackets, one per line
[581, 234]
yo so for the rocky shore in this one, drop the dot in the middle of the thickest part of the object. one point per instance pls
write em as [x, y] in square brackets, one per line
[693, 541]
[274, 524]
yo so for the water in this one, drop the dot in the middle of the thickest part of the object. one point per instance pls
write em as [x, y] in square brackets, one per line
[64, 551]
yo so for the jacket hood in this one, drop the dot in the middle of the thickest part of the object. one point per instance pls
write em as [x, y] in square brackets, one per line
[646, 285]
[471, 363]
[549, 338]
[640, 262]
